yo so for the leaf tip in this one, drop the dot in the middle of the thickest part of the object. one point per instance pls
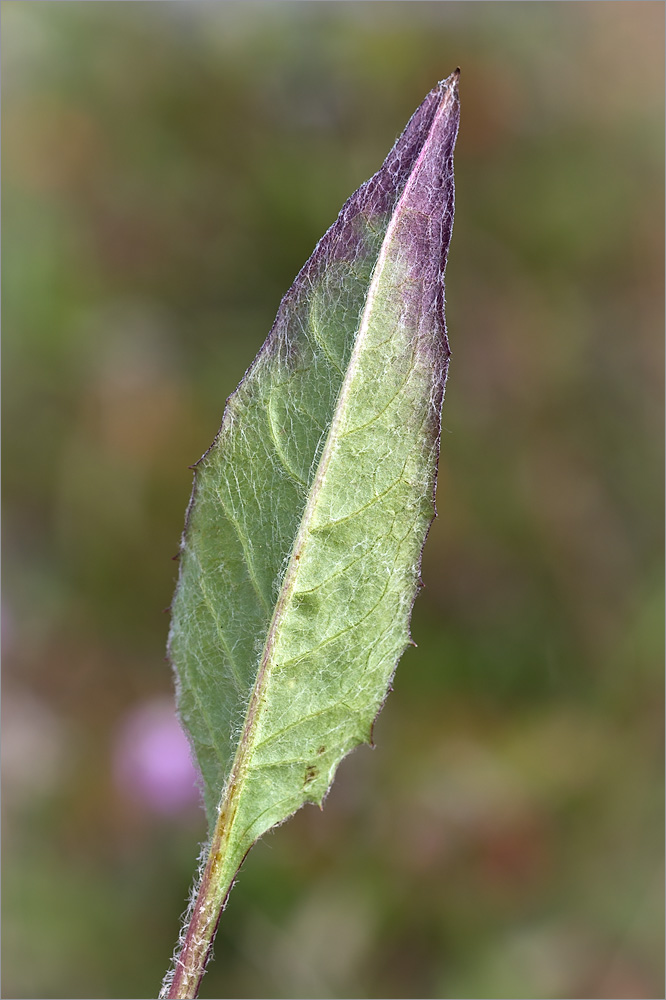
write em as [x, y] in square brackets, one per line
[451, 81]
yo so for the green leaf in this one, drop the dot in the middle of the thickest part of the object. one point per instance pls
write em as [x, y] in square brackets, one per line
[301, 552]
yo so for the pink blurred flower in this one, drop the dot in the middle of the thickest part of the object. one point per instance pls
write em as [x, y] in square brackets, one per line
[152, 762]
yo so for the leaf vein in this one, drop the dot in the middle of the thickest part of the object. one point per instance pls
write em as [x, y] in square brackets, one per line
[251, 571]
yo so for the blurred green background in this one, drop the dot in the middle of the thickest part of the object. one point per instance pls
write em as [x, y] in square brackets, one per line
[167, 168]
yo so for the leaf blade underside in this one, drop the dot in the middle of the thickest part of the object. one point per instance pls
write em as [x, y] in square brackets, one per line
[301, 553]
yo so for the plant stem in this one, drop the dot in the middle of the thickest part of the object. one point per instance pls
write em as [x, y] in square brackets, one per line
[202, 919]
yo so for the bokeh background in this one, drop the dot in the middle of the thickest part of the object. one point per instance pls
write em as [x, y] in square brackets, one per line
[167, 169]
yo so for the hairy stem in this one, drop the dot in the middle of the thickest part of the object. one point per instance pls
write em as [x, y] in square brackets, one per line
[201, 922]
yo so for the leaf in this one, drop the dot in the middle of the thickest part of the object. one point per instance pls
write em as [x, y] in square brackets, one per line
[301, 552]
